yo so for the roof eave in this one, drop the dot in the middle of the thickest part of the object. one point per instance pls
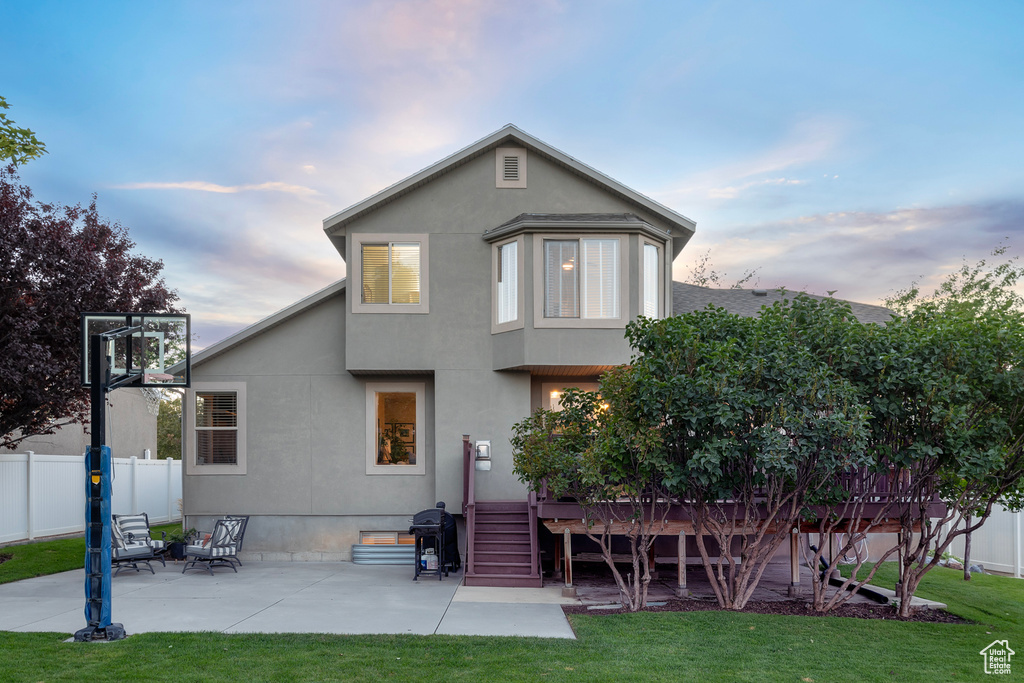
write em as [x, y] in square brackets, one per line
[563, 226]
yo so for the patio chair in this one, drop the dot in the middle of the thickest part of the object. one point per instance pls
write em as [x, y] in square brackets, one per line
[132, 543]
[240, 536]
[136, 527]
[220, 548]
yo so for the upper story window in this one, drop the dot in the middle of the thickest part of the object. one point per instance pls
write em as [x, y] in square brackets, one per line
[582, 278]
[508, 288]
[653, 278]
[579, 280]
[507, 285]
[390, 272]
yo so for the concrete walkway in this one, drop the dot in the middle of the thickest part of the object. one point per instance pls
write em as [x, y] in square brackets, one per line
[289, 597]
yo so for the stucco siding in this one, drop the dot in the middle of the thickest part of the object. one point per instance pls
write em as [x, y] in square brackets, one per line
[455, 210]
[306, 435]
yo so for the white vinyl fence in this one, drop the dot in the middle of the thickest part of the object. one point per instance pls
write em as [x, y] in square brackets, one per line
[44, 495]
[998, 544]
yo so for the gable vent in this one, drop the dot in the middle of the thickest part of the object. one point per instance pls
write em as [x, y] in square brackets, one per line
[511, 168]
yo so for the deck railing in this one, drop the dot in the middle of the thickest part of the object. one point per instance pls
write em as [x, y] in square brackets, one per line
[865, 487]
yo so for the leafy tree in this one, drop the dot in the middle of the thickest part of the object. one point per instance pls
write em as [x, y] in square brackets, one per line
[168, 430]
[56, 262]
[944, 385]
[755, 426]
[721, 415]
[596, 452]
[971, 340]
[17, 145]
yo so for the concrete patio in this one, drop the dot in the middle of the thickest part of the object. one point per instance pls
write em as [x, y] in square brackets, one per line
[289, 597]
[339, 597]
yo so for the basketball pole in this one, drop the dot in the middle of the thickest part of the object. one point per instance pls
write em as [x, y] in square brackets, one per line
[98, 466]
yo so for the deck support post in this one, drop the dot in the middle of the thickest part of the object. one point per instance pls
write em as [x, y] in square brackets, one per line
[652, 568]
[794, 563]
[681, 590]
[568, 590]
[557, 573]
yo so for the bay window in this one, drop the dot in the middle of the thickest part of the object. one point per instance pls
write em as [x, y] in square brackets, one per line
[582, 278]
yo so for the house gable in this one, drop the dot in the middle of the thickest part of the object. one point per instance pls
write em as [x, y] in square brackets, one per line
[509, 137]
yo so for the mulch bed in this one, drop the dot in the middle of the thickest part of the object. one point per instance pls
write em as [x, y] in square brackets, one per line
[788, 607]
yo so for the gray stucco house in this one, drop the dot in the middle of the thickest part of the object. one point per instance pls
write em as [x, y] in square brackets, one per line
[476, 290]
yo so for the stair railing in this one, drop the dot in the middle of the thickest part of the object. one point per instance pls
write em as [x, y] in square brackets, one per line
[534, 549]
[469, 501]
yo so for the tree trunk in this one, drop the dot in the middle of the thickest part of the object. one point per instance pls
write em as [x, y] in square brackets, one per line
[967, 551]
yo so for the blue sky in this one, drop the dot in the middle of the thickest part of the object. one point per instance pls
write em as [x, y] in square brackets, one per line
[852, 147]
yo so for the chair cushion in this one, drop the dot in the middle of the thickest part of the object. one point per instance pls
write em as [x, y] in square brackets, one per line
[132, 551]
[117, 539]
[225, 531]
[137, 525]
[210, 551]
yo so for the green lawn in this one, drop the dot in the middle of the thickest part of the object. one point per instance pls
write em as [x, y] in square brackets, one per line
[49, 557]
[712, 646]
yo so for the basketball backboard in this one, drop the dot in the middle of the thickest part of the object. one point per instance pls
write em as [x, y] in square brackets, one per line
[159, 353]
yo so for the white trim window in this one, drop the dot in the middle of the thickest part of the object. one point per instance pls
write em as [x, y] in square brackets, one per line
[507, 285]
[581, 278]
[216, 428]
[395, 427]
[390, 272]
[652, 279]
[508, 282]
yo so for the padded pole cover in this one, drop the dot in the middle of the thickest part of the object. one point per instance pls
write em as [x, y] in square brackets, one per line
[97, 538]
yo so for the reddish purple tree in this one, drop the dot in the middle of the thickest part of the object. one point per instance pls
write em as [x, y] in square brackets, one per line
[55, 263]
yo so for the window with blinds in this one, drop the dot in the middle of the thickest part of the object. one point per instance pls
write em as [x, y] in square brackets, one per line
[391, 273]
[216, 425]
[581, 278]
[508, 282]
[600, 277]
[652, 278]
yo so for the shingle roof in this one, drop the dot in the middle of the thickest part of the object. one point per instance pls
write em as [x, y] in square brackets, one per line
[687, 298]
[558, 218]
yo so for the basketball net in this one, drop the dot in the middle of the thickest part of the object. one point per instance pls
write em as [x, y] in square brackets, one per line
[153, 398]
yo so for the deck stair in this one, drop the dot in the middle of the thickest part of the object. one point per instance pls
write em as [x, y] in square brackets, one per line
[501, 552]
